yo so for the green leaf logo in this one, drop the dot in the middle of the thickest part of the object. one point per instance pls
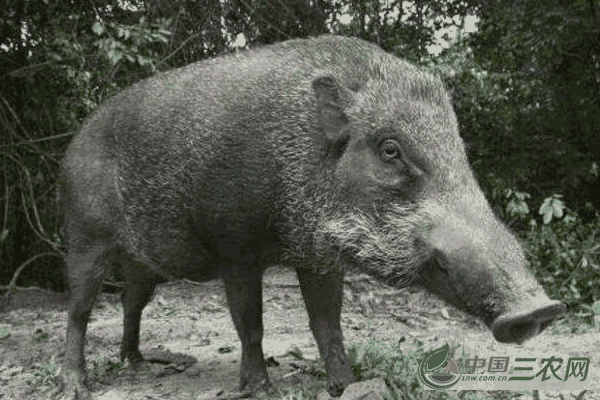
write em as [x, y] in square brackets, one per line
[436, 359]
[430, 369]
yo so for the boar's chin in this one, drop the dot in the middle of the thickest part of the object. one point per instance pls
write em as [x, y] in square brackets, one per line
[434, 276]
[474, 295]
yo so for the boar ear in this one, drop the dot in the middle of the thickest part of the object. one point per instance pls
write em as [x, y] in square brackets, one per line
[332, 98]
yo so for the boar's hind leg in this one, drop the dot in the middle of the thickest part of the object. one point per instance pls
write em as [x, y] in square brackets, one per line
[139, 287]
[243, 286]
[86, 267]
[323, 297]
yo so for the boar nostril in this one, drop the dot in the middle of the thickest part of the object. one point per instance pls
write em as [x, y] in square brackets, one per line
[520, 326]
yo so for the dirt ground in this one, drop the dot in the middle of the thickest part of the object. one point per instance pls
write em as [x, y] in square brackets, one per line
[191, 319]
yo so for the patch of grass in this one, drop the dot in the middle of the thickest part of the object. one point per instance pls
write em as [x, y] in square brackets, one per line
[43, 376]
[39, 336]
[576, 323]
[398, 368]
[100, 369]
[308, 392]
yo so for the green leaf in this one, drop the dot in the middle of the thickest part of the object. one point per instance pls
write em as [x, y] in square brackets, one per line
[558, 210]
[545, 205]
[98, 28]
[114, 56]
[547, 218]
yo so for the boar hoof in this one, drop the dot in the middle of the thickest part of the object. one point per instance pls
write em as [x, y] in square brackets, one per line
[73, 387]
[336, 387]
[248, 387]
[134, 356]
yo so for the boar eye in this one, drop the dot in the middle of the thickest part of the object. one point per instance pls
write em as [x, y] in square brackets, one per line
[389, 150]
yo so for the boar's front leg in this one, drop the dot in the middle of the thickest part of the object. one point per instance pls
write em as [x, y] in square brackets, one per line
[323, 297]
